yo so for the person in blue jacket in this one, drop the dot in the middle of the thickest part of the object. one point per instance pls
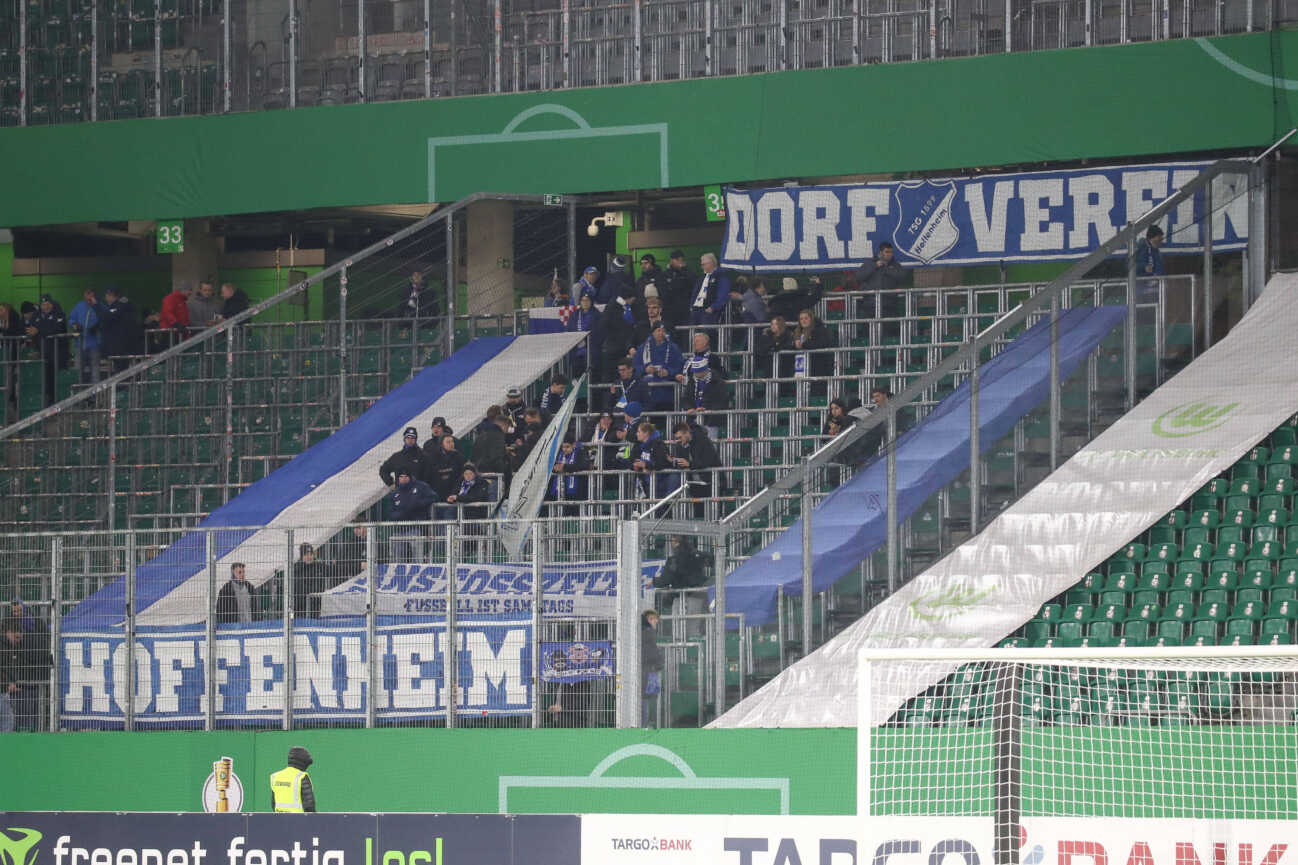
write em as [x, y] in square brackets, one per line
[711, 292]
[409, 501]
[84, 320]
[658, 362]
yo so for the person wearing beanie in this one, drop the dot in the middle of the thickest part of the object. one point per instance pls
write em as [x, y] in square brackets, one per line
[46, 332]
[619, 283]
[514, 406]
[409, 459]
[680, 289]
[470, 489]
[622, 318]
[652, 282]
[587, 286]
[410, 501]
[290, 788]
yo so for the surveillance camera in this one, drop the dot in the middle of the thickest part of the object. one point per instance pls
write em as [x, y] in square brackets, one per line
[592, 230]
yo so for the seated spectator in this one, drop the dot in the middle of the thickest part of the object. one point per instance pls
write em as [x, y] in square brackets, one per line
[813, 337]
[650, 462]
[552, 399]
[409, 459]
[25, 663]
[234, 601]
[310, 578]
[628, 387]
[869, 445]
[234, 302]
[204, 307]
[694, 453]
[658, 362]
[409, 501]
[569, 481]
[837, 419]
[617, 328]
[449, 466]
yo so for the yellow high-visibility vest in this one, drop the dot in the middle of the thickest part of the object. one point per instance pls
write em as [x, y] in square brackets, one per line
[286, 786]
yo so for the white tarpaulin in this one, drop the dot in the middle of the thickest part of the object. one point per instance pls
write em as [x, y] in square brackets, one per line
[1151, 460]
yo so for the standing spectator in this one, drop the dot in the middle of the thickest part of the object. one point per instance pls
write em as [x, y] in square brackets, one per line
[584, 319]
[123, 334]
[348, 555]
[701, 358]
[650, 461]
[1149, 263]
[432, 448]
[234, 601]
[234, 301]
[773, 344]
[558, 295]
[706, 392]
[753, 303]
[651, 665]
[653, 309]
[812, 337]
[695, 454]
[552, 399]
[449, 467]
[419, 301]
[618, 283]
[587, 285]
[11, 334]
[31, 622]
[882, 275]
[409, 501]
[47, 332]
[617, 328]
[84, 320]
[527, 435]
[680, 286]
[602, 433]
[25, 664]
[514, 406]
[569, 480]
[175, 312]
[658, 362]
[652, 282]
[628, 388]
[489, 446]
[685, 569]
[711, 292]
[310, 578]
[409, 459]
[205, 306]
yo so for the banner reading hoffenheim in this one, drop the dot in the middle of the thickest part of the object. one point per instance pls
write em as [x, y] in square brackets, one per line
[331, 670]
[527, 489]
[584, 589]
[1004, 217]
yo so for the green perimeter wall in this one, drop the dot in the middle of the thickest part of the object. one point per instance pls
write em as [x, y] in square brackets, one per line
[1160, 98]
[1163, 772]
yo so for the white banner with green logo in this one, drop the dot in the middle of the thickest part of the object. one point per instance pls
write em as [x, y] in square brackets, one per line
[1149, 462]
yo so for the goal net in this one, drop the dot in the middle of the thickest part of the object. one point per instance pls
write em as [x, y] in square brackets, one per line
[1167, 733]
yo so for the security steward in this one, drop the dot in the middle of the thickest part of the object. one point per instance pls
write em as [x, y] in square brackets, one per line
[290, 787]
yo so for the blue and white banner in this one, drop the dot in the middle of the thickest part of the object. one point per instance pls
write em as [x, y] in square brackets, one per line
[527, 489]
[587, 589]
[1003, 217]
[331, 672]
[576, 662]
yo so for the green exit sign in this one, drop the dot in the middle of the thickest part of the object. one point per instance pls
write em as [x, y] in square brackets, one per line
[715, 201]
[171, 236]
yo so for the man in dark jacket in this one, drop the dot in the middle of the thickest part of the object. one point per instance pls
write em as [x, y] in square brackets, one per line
[310, 578]
[569, 482]
[627, 388]
[618, 326]
[650, 461]
[470, 490]
[47, 334]
[652, 281]
[618, 283]
[290, 788]
[234, 602]
[651, 665]
[409, 459]
[680, 286]
[446, 473]
[25, 662]
[694, 452]
[409, 501]
[348, 553]
[235, 301]
[122, 331]
[883, 273]
[514, 406]
[555, 394]
[489, 447]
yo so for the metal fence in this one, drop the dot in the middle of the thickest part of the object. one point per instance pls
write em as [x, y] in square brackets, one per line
[64, 61]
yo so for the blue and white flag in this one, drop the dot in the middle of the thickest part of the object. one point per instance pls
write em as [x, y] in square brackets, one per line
[527, 489]
[1042, 216]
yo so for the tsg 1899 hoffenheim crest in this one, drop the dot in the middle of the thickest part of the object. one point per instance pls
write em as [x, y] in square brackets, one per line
[925, 229]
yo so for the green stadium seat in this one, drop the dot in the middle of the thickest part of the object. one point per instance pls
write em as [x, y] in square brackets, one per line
[1214, 596]
[1222, 577]
[1078, 613]
[1107, 599]
[1250, 595]
[1050, 612]
[1269, 550]
[1173, 629]
[1206, 518]
[1177, 519]
[1145, 605]
[1156, 567]
[1136, 628]
[1070, 629]
[1265, 533]
[1277, 472]
[1274, 501]
[1284, 454]
[1201, 552]
[1281, 437]
[1163, 552]
[1238, 511]
[1037, 630]
[1258, 454]
[1284, 609]
[1232, 534]
[1198, 535]
[1283, 593]
[1231, 551]
[1122, 581]
[1271, 626]
[1155, 581]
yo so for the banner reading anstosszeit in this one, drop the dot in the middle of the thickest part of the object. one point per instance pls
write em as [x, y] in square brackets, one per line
[1039, 216]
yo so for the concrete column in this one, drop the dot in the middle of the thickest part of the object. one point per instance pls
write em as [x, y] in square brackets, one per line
[200, 259]
[489, 268]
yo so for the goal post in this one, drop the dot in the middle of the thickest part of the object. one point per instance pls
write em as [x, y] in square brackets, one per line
[1016, 735]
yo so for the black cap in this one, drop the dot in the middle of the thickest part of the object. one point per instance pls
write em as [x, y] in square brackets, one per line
[439, 421]
[45, 298]
[410, 433]
[649, 257]
[676, 253]
[470, 467]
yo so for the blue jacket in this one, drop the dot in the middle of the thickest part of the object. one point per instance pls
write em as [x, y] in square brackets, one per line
[1149, 260]
[412, 501]
[664, 355]
[85, 318]
[634, 390]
